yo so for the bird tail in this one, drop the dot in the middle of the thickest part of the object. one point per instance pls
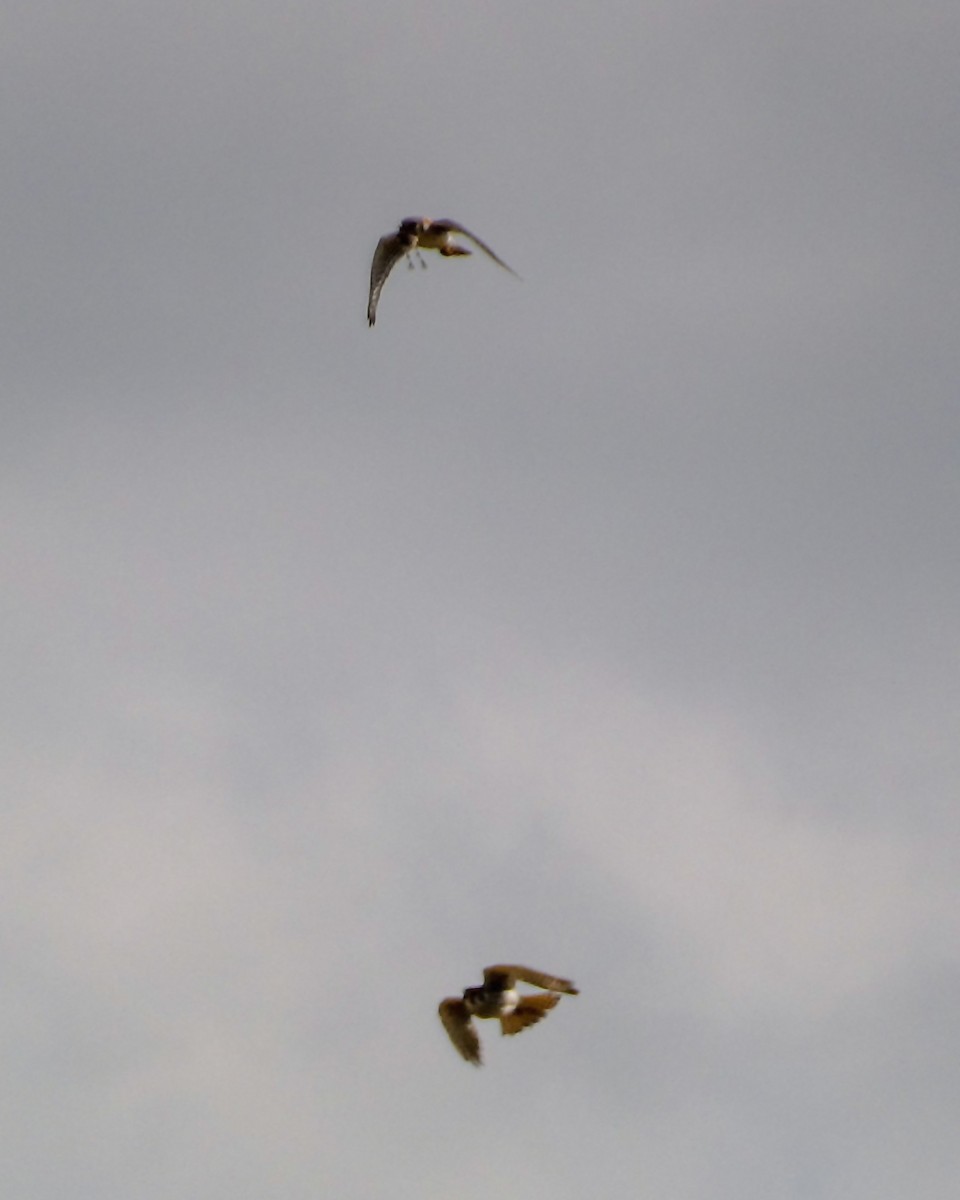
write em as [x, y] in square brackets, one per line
[530, 1010]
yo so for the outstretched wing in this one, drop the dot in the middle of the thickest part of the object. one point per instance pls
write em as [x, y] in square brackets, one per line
[529, 1011]
[457, 1023]
[390, 249]
[506, 976]
[455, 227]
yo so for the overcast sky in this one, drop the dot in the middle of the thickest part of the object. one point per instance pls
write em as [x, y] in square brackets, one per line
[607, 621]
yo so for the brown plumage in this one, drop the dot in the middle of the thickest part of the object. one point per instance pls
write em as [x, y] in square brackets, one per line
[498, 998]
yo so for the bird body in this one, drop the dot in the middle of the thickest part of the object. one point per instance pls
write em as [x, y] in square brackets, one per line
[497, 998]
[484, 1002]
[413, 235]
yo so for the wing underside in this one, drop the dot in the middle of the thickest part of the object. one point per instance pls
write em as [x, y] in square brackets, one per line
[390, 249]
[456, 227]
[460, 1028]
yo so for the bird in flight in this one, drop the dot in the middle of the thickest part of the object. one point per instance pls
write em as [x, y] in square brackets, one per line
[413, 235]
[498, 997]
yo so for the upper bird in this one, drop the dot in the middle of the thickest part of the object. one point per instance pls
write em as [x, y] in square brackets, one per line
[416, 234]
[499, 998]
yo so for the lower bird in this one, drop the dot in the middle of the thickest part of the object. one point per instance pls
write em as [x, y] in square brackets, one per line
[413, 235]
[498, 997]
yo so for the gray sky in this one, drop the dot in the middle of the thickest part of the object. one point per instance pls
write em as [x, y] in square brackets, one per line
[606, 621]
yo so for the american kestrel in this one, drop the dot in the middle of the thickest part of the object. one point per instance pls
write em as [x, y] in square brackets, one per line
[416, 234]
[498, 998]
